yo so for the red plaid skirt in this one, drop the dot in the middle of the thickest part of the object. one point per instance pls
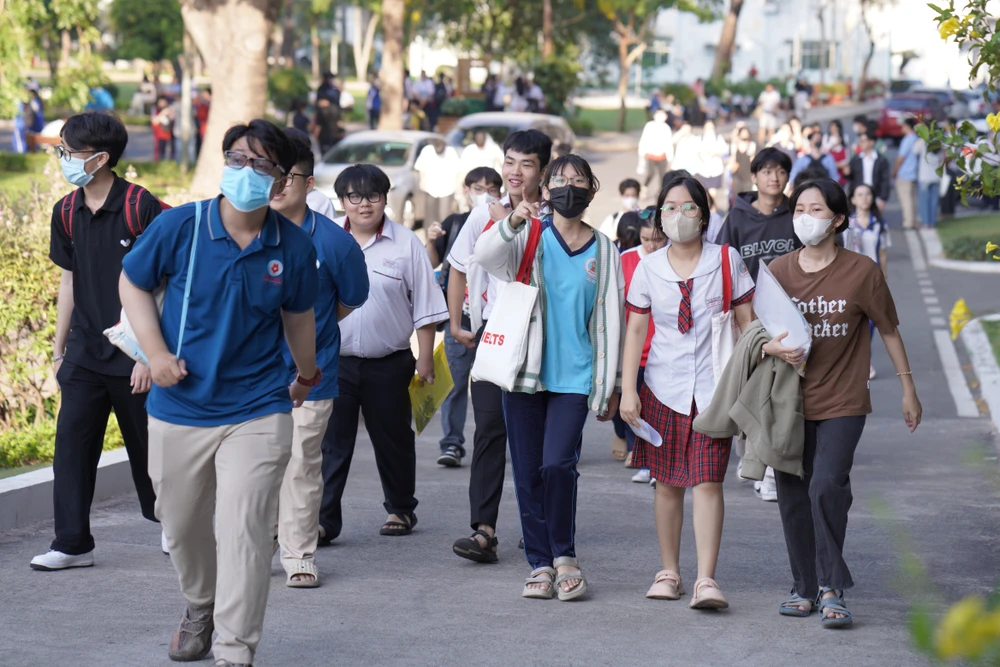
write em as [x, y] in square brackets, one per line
[686, 458]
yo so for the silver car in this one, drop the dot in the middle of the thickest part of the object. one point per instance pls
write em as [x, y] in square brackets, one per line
[394, 152]
[498, 124]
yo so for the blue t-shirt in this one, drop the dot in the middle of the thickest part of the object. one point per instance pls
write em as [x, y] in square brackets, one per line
[570, 291]
[911, 161]
[343, 278]
[233, 335]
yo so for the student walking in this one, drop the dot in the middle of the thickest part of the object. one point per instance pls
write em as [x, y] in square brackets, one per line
[868, 235]
[838, 292]
[906, 171]
[239, 280]
[871, 168]
[440, 172]
[629, 190]
[656, 149]
[473, 292]
[376, 363]
[571, 366]
[92, 230]
[741, 154]
[682, 287]
[343, 287]
[929, 159]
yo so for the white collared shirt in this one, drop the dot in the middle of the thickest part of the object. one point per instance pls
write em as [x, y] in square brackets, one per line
[679, 367]
[460, 256]
[868, 168]
[403, 295]
[322, 204]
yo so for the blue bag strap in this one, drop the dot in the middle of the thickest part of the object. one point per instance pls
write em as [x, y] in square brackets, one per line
[190, 273]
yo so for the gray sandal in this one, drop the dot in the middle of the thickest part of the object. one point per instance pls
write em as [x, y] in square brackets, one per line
[791, 607]
[577, 591]
[831, 606]
[543, 575]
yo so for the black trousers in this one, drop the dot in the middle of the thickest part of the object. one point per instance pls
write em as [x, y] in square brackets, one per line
[379, 389]
[814, 509]
[87, 400]
[489, 453]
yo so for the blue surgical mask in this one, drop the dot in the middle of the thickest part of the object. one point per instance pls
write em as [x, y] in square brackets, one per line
[75, 170]
[245, 189]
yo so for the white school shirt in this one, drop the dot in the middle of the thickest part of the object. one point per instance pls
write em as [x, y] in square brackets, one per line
[439, 172]
[322, 204]
[403, 295]
[679, 367]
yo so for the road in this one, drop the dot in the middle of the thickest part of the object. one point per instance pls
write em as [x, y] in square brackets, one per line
[409, 601]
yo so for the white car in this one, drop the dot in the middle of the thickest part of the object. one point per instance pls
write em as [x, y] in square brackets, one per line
[498, 124]
[394, 152]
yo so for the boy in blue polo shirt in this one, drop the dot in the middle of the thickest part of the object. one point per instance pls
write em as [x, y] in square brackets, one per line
[343, 286]
[236, 277]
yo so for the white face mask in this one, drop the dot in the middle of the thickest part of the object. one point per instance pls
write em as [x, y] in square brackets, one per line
[810, 230]
[680, 229]
[630, 203]
[481, 198]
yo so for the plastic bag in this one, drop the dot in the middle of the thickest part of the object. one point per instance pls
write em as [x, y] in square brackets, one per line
[425, 399]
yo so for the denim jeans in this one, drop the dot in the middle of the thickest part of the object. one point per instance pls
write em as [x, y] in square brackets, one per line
[928, 195]
[456, 405]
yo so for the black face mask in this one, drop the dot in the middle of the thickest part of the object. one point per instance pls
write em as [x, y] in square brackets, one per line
[569, 201]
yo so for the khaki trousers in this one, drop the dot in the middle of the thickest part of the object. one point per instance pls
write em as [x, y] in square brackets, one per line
[907, 191]
[302, 487]
[234, 473]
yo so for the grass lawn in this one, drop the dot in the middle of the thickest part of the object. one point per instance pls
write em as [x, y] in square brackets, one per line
[992, 330]
[606, 120]
[157, 177]
[13, 183]
[985, 227]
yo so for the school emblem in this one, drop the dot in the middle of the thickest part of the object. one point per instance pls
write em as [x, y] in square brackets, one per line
[274, 268]
[591, 267]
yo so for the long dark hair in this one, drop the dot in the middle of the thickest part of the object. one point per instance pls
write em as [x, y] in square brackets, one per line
[698, 195]
[874, 211]
[833, 195]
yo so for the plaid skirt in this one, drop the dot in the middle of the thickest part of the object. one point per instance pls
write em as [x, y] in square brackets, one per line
[686, 457]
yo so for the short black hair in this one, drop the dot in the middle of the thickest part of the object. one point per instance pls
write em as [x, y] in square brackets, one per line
[530, 142]
[860, 118]
[364, 179]
[698, 195]
[487, 174]
[911, 122]
[628, 234]
[815, 133]
[833, 195]
[101, 131]
[629, 183]
[305, 160]
[266, 138]
[579, 165]
[770, 157]
[810, 173]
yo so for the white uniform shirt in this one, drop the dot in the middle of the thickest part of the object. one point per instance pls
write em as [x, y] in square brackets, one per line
[490, 155]
[403, 295]
[680, 365]
[439, 172]
[322, 204]
[460, 256]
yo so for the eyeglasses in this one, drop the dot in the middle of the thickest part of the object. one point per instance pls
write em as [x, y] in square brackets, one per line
[689, 210]
[356, 197]
[578, 181]
[260, 165]
[290, 179]
[63, 154]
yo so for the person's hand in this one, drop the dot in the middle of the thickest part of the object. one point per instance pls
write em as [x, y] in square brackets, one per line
[425, 368]
[142, 378]
[525, 211]
[774, 348]
[435, 231]
[609, 413]
[298, 393]
[880, 203]
[498, 211]
[166, 369]
[55, 368]
[912, 410]
[466, 338]
[630, 408]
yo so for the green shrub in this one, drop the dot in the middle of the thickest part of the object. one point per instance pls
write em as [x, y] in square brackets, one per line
[582, 127]
[681, 92]
[35, 442]
[285, 86]
[462, 106]
[965, 248]
[558, 78]
[13, 162]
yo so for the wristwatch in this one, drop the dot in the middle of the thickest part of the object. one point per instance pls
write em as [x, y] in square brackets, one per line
[312, 382]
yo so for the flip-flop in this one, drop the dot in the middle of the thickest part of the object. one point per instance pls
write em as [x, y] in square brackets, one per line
[399, 528]
[302, 567]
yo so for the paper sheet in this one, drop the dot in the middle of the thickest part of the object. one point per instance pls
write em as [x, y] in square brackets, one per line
[647, 433]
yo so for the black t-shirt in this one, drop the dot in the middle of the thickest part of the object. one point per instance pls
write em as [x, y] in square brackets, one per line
[758, 237]
[94, 254]
[328, 119]
[452, 225]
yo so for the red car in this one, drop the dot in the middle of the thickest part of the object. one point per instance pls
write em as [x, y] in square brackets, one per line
[900, 107]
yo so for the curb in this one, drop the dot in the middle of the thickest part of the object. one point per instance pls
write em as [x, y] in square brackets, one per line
[935, 257]
[26, 499]
[987, 370]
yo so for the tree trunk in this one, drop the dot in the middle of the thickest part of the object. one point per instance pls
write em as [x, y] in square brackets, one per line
[548, 44]
[623, 62]
[727, 42]
[52, 55]
[363, 43]
[822, 44]
[67, 45]
[314, 37]
[288, 36]
[391, 72]
[232, 36]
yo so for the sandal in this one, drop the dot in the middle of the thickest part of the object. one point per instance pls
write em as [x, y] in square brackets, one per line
[399, 528]
[305, 568]
[666, 586]
[543, 575]
[708, 595]
[619, 449]
[576, 591]
[471, 548]
[793, 606]
[833, 605]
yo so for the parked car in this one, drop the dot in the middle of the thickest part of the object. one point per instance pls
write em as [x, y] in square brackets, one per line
[900, 107]
[904, 85]
[954, 106]
[395, 153]
[501, 123]
[978, 106]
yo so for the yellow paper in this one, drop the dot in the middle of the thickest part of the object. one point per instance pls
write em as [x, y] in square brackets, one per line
[427, 398]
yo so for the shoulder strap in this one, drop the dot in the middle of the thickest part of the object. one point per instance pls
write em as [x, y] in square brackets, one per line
[132, 195]
[534, 234]
[190, 275]
[66, 214]
[727, 280]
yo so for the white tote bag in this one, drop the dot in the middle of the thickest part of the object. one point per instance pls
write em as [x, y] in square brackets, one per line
[504, 345]
[725, 330]
[123, 337]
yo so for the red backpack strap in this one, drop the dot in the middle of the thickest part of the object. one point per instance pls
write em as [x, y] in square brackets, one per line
[727, 281]
[66, 212]
[133, 199]
[534, 234]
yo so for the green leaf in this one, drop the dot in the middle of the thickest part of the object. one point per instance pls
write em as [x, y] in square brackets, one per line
[921, 629]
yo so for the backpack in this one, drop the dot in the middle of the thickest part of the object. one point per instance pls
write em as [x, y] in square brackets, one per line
[815, 163]
[133, 195]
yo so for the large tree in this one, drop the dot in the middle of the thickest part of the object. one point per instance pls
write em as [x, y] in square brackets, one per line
[867, 6]
[152, 31]
[391, 73]
[232, 36]
[727, 42]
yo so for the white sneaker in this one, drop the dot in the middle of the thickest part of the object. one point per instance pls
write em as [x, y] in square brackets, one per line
[57, 560]
[642, 476]
[163, 543]
[767, 490]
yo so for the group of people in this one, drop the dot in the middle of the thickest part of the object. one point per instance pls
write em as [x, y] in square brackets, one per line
[524, 94]
[263, 330]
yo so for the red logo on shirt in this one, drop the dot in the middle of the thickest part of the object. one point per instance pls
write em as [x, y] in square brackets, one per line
[492, 339]
[274, 270]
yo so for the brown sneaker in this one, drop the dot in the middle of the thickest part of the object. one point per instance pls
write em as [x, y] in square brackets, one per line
[193, 639]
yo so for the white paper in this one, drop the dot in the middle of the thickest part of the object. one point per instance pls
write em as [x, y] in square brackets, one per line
[647, 433]
[778, 313]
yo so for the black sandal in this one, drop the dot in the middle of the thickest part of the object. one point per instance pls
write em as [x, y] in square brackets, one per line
[399, 528]
[470, 547]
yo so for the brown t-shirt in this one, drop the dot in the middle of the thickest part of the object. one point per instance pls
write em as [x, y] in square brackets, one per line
[837, 302]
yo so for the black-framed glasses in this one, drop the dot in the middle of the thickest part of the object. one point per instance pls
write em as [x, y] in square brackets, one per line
[260, 165]
[63, 154]
[356, 197]
[290, 178]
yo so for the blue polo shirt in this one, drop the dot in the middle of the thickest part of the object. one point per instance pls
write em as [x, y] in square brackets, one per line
[911, 161]
[233, 335]
[343, 278]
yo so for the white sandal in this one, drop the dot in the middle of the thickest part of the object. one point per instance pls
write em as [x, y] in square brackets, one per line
[543, 575]
[708, 595]
[302, 567]
[578, 590]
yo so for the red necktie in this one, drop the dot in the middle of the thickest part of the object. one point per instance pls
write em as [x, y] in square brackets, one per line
[684, 313]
